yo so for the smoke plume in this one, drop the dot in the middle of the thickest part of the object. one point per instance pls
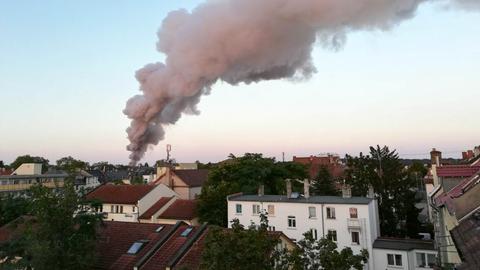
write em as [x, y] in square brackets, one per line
[244, 41]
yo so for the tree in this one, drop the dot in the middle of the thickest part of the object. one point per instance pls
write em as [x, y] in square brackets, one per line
[70, 164]
[323, 254]
[323, 184]
[61, 234]
[242, 174]
[393, 187]
[30, 159]
[239, 248]
[12, 207]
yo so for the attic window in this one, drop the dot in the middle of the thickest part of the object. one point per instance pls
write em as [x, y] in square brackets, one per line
[136, 247]
[186, 232]
[159, 229]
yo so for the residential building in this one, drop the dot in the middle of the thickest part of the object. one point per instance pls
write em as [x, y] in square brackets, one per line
[451, 199]
[170, 210]
[127, 202]
[141, 246]
[29, 174]
[330, 161]
[408, 254]
[86, 181]
[187, 183]
[349, 221]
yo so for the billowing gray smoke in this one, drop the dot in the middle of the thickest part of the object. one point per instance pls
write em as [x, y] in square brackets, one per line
[244, 41]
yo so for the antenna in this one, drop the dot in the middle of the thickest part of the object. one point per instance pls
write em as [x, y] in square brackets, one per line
[169, 149]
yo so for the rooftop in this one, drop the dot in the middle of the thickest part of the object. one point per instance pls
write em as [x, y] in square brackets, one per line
[193, 178]
[403, 244]
[180, 210]
[312, 199]
[155, 207]
[457, 170]
[127, 194]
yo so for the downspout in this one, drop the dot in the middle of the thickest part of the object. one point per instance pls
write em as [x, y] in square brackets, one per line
[323, 224]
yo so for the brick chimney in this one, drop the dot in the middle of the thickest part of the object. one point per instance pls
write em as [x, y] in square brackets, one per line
[306, 188]
[436, 157]
[346, 191]
[289, 188]
[261, 190]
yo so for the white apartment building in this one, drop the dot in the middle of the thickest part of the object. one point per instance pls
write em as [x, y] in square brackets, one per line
[349, 221]
[408, 254]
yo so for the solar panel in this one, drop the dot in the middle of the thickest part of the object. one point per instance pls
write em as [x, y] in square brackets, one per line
[186, 232]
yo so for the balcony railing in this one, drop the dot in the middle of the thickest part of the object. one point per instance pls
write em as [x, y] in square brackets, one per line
[354, 223]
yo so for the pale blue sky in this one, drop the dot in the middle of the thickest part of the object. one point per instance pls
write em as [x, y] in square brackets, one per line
[66, 71]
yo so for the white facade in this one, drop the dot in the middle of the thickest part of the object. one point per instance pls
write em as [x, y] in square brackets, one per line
[29, 169]
[393, 259]
[352, 222]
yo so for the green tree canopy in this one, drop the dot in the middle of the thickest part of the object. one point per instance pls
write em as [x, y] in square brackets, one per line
[239, 248]
[323, 184]
[12, 207]
[61, 234]
[393, 186]
[70, 164]
[242, 174]
[30, 159]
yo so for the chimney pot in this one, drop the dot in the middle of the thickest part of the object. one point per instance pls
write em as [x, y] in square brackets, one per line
[306, 188]
[289, 188]
[346, 191]
[261, 190]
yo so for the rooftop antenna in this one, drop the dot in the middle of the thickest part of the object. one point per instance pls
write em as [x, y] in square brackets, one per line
[169, 149]
[283, 156]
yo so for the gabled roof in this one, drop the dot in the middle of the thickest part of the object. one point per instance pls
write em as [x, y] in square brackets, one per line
[125, 194]
[193, 178]
[155, 207]
[457, 170]
[180, 210]
[403, 244]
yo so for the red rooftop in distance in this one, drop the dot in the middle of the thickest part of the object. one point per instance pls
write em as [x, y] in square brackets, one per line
[121, 194]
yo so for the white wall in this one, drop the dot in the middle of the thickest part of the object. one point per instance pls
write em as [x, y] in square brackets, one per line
[366, 218]
[153, 196]
[128, 214]
[29, 169]
[409, 259]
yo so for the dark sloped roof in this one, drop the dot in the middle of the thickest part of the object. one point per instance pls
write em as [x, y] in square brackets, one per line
[403, 244]
[193, 178]
[180, 210]
[155, 207]
[127, 194]
[312, 199]
[115, 238]
[111, 176]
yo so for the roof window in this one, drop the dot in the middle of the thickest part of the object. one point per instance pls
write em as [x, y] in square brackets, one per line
[186, 232]
[136, 247]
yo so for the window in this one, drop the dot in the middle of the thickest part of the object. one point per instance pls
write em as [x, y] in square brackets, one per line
[238, 208]
[425, 260]
[186, 232]
[133, 209]
[356, 238]
[330, 213]
[121, 208]
[111, 208]
[314, 233]
[292, 223]
[159, 229]
[256, 209]
[332, 235]
[135, 247]
[271, 210]
[353, 212]
[312, 212]
[394, 259]
[271, 228]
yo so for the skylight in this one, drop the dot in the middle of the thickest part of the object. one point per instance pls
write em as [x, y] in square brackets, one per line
[135, 247]
[159, 229]
[186, 232]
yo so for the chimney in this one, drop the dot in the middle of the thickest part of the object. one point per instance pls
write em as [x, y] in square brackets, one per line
[436, 157]
[346, 191]
[289, 188]
[371, 192]
[306, 188]
[476, 151]
[261, 190]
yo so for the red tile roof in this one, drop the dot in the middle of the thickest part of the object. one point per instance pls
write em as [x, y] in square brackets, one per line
[168, 250]
[180, 210]
[193, 178]
[457, 191]
[313, 163]
[126, 194]
[457, 170]
[155, 207]
[115, 238]
[193, 257]
[4, 171]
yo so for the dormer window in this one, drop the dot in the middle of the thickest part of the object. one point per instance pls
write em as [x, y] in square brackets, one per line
[136, 247]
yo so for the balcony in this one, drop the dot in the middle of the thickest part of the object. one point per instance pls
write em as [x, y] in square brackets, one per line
[354, 223]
